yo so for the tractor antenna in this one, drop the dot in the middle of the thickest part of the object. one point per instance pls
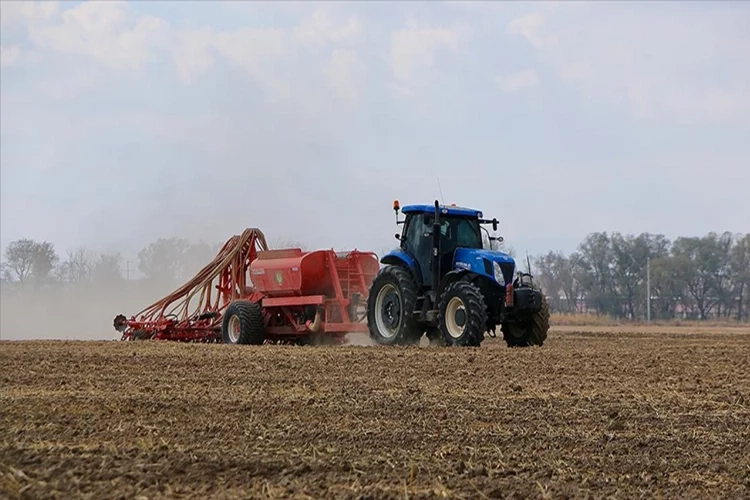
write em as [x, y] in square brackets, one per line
[440, 188]
[528, 261]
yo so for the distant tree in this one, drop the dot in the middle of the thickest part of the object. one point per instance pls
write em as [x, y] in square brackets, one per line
[107, 269]
[626, 272]
[573, 277]
[561, 280]
[28, 260]
[597, 281]
[196, 256]
[701, 266]
[630, 257]
[722, 281]
[740, 268]
[20, 255]
[77, 268]
[162, 260]
[549, 272]
[44, 262]
[668, 285]
[169, 260]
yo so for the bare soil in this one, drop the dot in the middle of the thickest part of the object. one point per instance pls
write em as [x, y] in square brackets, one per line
[594, 414]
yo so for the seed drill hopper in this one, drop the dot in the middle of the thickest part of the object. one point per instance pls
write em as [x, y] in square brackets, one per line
[250, 294]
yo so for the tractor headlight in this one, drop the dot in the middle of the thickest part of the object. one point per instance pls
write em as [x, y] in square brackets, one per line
[498, 273]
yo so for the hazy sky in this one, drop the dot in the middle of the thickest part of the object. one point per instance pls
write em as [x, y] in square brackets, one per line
[123, 122]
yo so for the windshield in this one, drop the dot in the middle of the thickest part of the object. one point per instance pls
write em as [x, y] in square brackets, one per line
[459, 232]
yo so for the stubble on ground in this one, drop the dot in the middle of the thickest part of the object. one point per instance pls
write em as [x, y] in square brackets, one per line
[592, 413]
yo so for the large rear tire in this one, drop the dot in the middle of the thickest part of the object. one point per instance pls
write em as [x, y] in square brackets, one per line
[462, 315]
[532, 332]
[243, 324]
[390, 308]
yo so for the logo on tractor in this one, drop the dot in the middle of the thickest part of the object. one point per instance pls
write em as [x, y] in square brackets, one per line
[279, 277]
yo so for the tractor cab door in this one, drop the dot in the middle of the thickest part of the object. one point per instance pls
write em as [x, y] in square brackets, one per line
[415, 243]
[448, 242]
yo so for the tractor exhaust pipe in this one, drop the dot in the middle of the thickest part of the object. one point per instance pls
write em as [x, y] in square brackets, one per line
[436, 249]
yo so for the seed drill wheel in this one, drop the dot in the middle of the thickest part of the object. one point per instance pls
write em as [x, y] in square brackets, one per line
[393, 296]
[243, 324]
[531, 332]
[462, 315]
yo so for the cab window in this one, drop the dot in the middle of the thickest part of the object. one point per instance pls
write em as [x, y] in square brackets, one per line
[457, 232]
[468, 234]
[415, 229]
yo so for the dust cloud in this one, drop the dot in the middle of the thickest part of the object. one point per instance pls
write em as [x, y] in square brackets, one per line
[71, 313]
[358, 339]
[363, 339]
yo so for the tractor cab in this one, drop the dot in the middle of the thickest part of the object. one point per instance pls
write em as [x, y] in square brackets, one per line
[458, 228]
[455, 234]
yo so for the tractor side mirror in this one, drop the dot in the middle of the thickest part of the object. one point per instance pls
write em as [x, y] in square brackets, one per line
[494, 224]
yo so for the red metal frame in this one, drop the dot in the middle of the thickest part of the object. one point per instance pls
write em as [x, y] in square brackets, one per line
[286, 313]
[172, 317]
[349, 280]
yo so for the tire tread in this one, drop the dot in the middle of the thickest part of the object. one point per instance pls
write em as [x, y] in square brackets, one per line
[538, 329]
[476, 310]
[411, 332]
[252, 326]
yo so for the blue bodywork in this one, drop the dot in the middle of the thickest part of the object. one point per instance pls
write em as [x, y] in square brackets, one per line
[472, 259]
[444, 209]
[399, 256]
[466, 259]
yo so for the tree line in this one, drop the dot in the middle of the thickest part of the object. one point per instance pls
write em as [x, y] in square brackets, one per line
[169, 261]
[166, 260]
[690, 278]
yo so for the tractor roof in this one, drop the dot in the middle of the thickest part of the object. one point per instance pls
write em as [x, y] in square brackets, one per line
[444, 209]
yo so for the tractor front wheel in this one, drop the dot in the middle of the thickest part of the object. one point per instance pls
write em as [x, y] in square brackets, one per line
[390, 308]
[243, 324]
[462, 315]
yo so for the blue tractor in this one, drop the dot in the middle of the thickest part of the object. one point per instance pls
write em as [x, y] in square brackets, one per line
[442, 282]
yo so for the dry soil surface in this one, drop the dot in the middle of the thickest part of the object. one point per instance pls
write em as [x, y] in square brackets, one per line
[591, 414]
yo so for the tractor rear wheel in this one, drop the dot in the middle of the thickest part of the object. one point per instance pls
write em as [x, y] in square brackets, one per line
[462, 315]
[531, 332]
[243, 324]
[390, 308]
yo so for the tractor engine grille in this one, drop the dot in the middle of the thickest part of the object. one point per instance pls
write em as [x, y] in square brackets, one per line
[505, 267]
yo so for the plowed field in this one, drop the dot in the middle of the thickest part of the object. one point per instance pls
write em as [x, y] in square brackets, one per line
[625, 413]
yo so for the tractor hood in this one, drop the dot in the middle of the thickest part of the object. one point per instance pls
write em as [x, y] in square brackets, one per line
[483, 262]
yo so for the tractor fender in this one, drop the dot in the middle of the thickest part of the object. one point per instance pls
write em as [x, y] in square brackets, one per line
[403, 259]
[450, 278]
